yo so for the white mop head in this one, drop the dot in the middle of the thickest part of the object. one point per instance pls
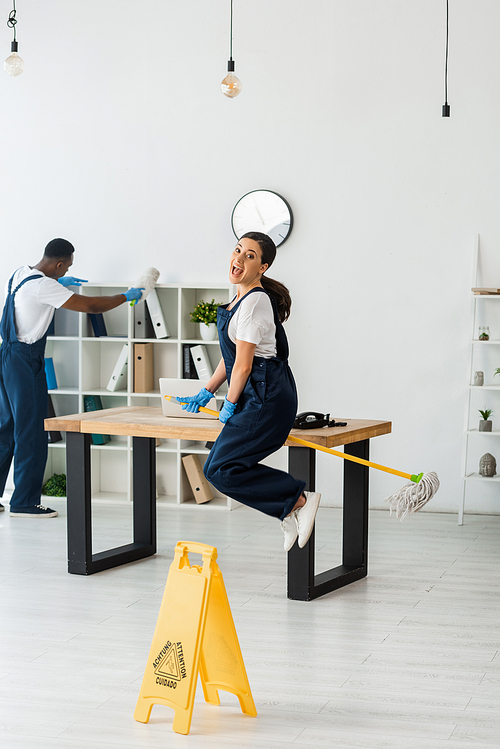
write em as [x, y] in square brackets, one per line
[148, 282]
[412, 497]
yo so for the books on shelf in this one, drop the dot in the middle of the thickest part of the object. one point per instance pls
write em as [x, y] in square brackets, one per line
[202, 362]
[118, 380]
[50, 374]
[52, 436]
[143, 325]
[156, 312]
[98, 324]
[199, 485]
[143, 368]
[94, 403]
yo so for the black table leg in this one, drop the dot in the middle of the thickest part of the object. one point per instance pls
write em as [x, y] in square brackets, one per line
[303, 584]
[81, 561]
[78, 502]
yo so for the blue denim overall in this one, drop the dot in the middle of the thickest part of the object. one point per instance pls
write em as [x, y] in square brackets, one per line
[23, 407]
[263, 418]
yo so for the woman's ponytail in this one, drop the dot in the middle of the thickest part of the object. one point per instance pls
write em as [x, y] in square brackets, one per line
[274, 288]
[280, 292]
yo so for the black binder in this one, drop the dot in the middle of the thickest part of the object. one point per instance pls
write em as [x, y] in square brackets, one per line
[98, 324]
[188, 369]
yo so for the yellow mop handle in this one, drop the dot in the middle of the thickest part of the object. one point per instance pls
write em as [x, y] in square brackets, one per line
[346, 456]
[411, 477]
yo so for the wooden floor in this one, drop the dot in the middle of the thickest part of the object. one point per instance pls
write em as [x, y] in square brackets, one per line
[405, 659]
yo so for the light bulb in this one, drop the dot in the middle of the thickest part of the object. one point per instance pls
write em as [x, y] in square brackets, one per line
[231, 85]
[13, 65]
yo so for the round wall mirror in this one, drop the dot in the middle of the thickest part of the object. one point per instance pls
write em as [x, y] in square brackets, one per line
[265, 211]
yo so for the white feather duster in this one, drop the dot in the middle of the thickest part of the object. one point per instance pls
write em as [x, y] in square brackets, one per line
[148, 281]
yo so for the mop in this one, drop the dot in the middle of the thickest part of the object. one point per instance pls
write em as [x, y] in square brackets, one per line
[147, 282]
[411, 498]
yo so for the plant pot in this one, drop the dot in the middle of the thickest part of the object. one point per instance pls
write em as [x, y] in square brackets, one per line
[208, 332]
[485, 425]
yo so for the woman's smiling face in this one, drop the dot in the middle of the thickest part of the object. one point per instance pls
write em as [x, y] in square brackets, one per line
[246, 264]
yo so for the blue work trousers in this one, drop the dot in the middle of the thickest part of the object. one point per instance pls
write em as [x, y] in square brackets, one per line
[23, 408]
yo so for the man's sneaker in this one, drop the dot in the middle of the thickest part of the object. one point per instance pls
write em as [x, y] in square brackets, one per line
[2, 508]
[36, 511]
[289, 526]
[306, 515]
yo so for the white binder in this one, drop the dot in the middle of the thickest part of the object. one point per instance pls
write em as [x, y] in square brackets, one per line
[143, 327]
[118, 380]
[159, 324]
[202, 362]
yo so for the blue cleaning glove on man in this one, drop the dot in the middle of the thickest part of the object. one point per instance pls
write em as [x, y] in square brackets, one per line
[71, 281]
[192, 403]
[227, 411]
[132, 294]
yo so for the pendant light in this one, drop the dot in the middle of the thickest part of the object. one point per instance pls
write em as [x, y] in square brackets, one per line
[231, 85]
[446, 106]
[13, 65]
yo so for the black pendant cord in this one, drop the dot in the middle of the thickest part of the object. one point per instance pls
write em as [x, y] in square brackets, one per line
[12, 20]
[231, 33]
[446, 106]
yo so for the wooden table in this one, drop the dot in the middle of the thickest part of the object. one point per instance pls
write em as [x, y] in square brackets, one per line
[145, 425]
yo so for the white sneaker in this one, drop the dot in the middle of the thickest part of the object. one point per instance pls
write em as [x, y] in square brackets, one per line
[289, 526]
[306, 515]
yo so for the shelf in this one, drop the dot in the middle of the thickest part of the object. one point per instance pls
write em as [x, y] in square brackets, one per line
[106, 338]
[87, 368]
[199, 341]
[478, 477]
[62, 338]
[484, 387]
[476, 431]
[104, 391]
[154, 340]
[481, 318]
[110, 447]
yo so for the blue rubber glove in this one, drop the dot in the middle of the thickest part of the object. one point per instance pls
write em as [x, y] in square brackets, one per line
[227, 411]
[71, 281]
[133, 294]
[192, 403]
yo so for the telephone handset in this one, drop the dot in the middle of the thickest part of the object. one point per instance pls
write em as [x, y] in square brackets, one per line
[315, 420]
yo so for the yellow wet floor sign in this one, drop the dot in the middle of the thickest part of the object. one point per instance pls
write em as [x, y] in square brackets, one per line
[194, 633]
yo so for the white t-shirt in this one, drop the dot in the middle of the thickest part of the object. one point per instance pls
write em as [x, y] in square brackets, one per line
[35, 303]
[253, 322]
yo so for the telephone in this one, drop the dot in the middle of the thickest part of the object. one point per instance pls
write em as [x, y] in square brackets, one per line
[315, 420]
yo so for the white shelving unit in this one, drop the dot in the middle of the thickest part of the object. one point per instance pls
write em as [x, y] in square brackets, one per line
[83, 364]
[484, 356]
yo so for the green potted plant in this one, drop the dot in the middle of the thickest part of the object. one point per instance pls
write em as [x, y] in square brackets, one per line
[55, 486]
[485, 425]
[205, 314]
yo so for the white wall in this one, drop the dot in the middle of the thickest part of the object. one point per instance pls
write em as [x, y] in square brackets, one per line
[117, 137]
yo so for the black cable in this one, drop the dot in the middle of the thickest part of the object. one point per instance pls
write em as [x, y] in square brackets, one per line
[12, 20]
[446, 106]
[231, 34]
